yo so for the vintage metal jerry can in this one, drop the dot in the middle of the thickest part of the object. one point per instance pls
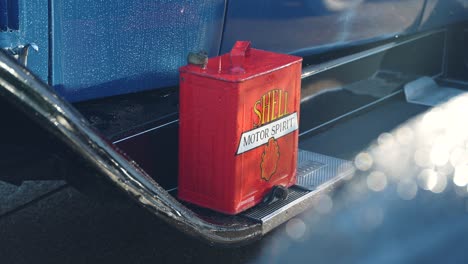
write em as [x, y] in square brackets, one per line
[238, 134]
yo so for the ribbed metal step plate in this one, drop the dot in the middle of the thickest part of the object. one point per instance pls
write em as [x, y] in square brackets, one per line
[315, 173]
[262, 211]
[314, 169]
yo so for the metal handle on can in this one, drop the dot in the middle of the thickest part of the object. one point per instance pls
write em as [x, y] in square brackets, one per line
[238, 53]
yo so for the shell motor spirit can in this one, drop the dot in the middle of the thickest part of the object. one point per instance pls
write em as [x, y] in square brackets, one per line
[238, 133]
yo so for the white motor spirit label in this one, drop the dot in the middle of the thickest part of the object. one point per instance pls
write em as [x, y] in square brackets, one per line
[260, 136]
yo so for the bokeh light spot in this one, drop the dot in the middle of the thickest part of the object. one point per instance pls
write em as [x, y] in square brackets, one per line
[440, 183]
[363, 161]
[427, 179]
[460, 177]
[386, 140]
[377, 181]
[296, 228]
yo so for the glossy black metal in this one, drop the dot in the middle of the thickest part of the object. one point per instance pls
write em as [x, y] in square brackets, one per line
[28, 94]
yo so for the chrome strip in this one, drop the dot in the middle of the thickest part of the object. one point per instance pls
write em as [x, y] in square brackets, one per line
[146, 131]
[449, 80]
[350, 113]
[314, 69]
[444, 66]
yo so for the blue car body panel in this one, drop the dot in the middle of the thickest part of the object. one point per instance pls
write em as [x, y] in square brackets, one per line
[33, 27]
[9, 15]
[105, 48]
[302, 26]
[442, 12]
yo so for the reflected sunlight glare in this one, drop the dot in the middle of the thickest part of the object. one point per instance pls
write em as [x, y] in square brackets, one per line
[427, 179]
[421, 158]
[427, 152]
[440, 183]
[405, 135]
[460, 177]
[440, 152]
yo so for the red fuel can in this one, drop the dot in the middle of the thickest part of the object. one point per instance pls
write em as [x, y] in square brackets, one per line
[238, 134]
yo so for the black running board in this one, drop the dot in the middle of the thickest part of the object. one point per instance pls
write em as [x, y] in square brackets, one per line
[42, 105]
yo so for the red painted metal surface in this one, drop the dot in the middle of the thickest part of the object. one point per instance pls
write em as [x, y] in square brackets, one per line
[238, 131]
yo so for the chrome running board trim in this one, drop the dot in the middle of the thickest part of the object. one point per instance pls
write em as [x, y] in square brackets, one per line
[316, 174]
[30, 95]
